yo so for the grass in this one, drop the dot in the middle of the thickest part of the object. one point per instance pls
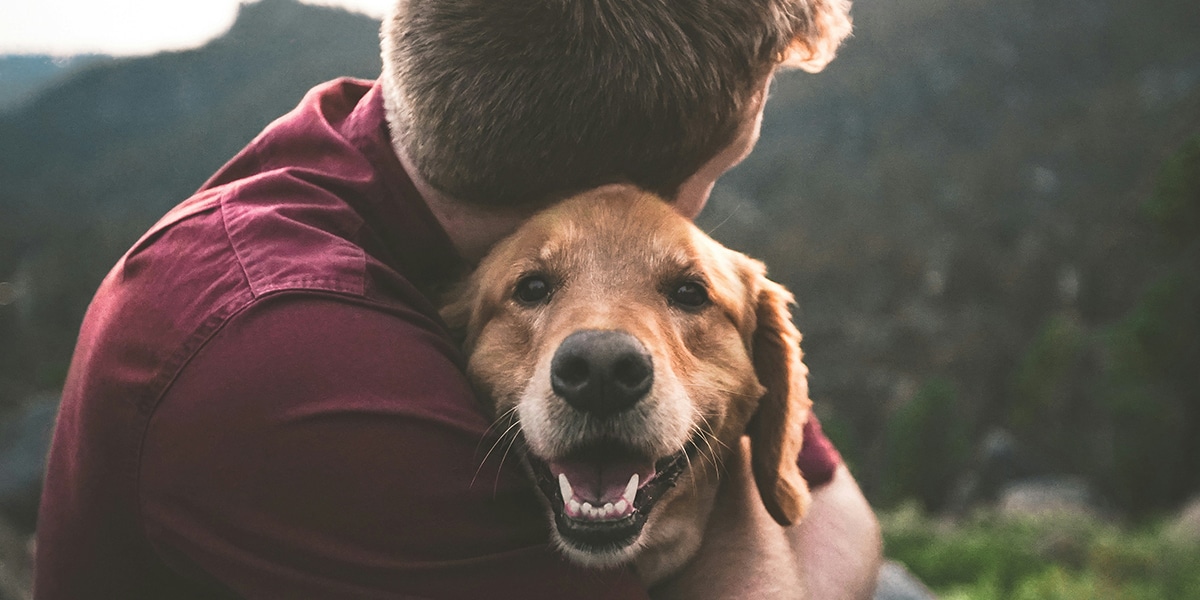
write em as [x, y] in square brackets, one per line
[1068, 557]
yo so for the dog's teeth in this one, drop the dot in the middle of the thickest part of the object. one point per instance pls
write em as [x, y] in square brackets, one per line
[564, 485]
[631, 489]
[608, 511]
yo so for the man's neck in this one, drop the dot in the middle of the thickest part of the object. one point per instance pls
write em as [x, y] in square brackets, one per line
[473, 230]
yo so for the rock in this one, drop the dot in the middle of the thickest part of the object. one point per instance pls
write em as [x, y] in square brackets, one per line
[15, 565]
[1000, 460]
[896, 583]
[1048, 496]
[1186, 527]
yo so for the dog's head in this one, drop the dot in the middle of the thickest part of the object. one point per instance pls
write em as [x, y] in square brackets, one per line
[633, 352]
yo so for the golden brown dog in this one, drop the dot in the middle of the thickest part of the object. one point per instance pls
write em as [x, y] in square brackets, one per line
[629, 353]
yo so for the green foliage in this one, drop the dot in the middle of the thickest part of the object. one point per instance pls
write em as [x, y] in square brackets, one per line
[1175, 205]
[1128, 389]
[1159, 335]
[1053, 558]
[1151, 385]
[945, 557]
[1045, 369]
[1152, 389]
[926, 444]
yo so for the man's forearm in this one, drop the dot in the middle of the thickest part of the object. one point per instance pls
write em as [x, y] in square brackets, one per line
[833, 554]
[838, 544]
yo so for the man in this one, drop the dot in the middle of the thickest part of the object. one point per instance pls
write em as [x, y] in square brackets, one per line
[263, 401]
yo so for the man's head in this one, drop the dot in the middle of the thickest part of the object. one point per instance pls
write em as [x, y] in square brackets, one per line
[512, 103]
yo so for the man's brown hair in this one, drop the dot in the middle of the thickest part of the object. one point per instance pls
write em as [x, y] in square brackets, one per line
[520, 102]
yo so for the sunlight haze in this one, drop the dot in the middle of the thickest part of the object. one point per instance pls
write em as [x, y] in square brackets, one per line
[125, 27]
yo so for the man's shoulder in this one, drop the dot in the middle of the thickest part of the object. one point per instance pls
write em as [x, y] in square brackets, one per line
[289, 235]
[227, 246]
[316, 204]
[225, 250]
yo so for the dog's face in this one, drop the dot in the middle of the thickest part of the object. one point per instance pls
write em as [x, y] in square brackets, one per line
[632, 352]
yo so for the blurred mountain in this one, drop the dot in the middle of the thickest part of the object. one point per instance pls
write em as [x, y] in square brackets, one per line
[963, 177]
[143, 133]
[23, 76]
[955, 202]
[93, 161]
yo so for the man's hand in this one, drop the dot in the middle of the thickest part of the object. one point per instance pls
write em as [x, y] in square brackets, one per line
[833, 554]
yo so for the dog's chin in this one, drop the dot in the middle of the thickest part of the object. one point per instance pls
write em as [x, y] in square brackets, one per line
[614, 492]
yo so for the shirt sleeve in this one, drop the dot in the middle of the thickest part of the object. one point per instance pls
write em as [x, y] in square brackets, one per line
[818, 459]
[320, 448]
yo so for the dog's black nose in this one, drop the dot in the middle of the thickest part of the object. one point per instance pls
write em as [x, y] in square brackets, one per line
[601, 372]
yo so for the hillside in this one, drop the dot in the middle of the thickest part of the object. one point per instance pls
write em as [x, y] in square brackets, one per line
[957, 203]
[97, 158]
[24, 76]
[166, 122]
[963, 176]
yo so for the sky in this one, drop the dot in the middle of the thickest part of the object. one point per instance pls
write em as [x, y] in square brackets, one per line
[125, 27]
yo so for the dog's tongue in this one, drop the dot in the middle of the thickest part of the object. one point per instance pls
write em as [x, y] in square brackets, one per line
[595, 490]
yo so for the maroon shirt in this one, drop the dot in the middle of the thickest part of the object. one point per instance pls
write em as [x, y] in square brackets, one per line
[264, 403]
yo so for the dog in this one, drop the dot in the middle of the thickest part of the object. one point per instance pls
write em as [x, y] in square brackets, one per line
[629, 353]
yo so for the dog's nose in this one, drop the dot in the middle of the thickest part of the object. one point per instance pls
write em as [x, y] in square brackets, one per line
[601, 372]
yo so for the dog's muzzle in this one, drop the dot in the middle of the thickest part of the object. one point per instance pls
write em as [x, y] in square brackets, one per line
[603, 490]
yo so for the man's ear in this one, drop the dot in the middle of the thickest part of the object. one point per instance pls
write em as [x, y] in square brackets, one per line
[777, 429]
[825, 23]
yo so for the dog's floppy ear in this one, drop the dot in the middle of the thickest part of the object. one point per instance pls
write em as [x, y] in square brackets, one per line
[777, 429]
[824, 24]
[459, 306]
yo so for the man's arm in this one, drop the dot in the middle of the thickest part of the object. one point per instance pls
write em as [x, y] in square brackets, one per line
[838, 545]
[317, 447]
[833, 554]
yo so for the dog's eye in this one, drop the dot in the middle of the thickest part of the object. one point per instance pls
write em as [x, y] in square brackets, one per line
[532, 289]
[690, 295]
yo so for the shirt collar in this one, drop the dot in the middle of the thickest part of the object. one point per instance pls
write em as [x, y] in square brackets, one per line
[398, 215]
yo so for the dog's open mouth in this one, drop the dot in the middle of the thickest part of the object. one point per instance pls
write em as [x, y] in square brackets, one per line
[602, 495]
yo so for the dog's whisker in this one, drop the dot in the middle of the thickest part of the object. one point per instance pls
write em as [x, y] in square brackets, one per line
[718, 389]
[708, 431]
[705, 433]
[496, 482]
[692, 480]
[713, 455]
[515, 423]
[726, 220]
[708, 435]
[707, 452]
[511, 423]
[712, 452]
[495, 424]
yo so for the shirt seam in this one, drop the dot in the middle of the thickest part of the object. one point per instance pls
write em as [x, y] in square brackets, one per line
[237, 255]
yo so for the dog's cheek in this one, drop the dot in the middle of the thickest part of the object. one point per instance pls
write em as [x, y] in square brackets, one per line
[726, 390]
[502, 362]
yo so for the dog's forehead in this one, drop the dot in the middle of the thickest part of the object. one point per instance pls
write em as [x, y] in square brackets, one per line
[619, 231]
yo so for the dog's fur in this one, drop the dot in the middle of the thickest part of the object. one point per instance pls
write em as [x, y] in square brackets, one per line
[616, 261]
